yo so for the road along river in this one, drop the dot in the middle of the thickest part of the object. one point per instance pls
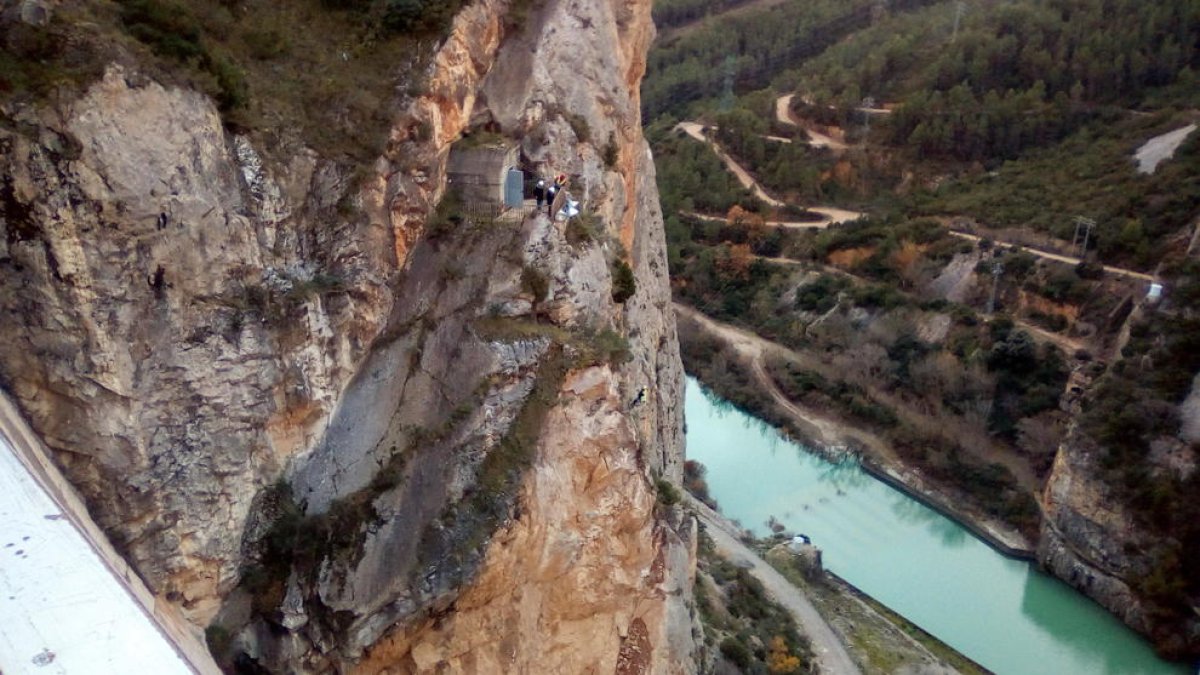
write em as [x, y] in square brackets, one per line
[1000, 612]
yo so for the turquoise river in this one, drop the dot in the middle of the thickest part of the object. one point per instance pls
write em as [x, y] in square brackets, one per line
[1000, 612]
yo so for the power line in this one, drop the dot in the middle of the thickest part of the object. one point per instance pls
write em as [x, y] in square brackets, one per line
[1085, 224]
[960, 8]
[997, 270]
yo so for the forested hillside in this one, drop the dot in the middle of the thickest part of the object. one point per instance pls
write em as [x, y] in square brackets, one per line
[1000, 281]
[747, 51]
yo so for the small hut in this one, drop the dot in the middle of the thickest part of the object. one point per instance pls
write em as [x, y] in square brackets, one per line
[479, 171]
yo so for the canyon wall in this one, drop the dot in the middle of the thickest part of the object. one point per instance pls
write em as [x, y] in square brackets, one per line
[342, 433]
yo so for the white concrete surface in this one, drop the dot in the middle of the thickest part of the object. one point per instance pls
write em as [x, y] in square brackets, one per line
[62, 608]
[1161, 148]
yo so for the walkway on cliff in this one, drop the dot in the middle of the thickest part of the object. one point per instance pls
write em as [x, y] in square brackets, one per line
[71, 604]
[832, 657]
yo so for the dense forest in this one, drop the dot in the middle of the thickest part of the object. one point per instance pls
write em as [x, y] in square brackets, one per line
[744, 52]
[671, 13]
[1015, 75]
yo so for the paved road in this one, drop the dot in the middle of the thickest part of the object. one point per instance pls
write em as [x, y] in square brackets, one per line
[832, 657]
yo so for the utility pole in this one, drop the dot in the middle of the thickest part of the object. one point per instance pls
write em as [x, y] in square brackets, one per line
[1086, 225]
[727, 94]
[997, 270]
[960, 8]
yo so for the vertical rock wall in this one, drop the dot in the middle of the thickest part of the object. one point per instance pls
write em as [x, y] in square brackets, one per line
[187, 324]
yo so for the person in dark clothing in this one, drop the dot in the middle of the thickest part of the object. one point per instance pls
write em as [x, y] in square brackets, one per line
[539, 192]
[641, 396]
[550, 192]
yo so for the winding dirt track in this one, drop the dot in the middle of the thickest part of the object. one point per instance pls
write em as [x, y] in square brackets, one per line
[829, 431]
[783, 113]
[1060, 258]
[833, 215]
[754, 349]
[696, 131]
[831, 655]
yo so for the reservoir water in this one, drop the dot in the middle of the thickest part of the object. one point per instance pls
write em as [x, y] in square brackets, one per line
[1000, 612]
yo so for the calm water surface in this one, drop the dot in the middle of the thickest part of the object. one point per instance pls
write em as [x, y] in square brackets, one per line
[1000, 612]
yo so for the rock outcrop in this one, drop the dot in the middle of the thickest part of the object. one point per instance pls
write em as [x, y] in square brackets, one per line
[1091, 540]
[352, 440]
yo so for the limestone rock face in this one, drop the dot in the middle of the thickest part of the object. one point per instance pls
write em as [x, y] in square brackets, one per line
[1084, 534]
[1091, 541]
[351, 441]
[593, 588]
[155, 329]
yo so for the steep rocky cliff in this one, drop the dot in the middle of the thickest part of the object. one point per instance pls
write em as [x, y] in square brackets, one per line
[343, 431]
[1092, 540]
[1117, 521]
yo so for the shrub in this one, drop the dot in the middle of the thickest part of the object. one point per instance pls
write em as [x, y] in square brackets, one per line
[579, 125]
[624, 284]
[737, 652]
[821, 295]
[667, 494]
[419, 16]
[611, 152]
[583, 229]
[693, 482]
[535, 282]
[1088, 269]
[219, 640]
[172, 31]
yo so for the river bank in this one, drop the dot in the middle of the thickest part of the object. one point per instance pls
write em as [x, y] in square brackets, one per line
[745, 388]
[1000, 612]
[846, 625]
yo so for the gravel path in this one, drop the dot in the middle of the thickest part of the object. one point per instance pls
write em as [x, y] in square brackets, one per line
[832, 657]
[833, 215]
[1060, 258]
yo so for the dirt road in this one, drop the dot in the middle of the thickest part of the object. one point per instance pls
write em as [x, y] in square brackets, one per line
[691, 27]
[831, 655]
[826, 431]
[1060, 258]
[783, 112]
[696, 131]
[833, 215]
[830, 431]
